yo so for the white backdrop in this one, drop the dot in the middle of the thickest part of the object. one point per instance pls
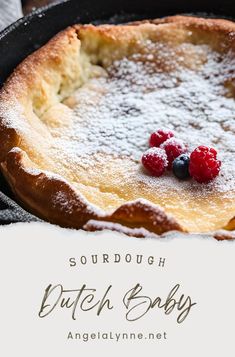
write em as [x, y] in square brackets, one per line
[32, 256]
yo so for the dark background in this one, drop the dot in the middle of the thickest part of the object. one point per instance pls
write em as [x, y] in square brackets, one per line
[29, 5]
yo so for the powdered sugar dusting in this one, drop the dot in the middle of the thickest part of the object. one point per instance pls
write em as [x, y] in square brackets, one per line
[159, 152]
[115, 114]
[174, 141]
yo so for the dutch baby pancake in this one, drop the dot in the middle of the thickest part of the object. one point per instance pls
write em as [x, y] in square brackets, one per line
[76, 115]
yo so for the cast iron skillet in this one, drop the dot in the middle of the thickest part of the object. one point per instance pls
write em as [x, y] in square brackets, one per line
[34, 30]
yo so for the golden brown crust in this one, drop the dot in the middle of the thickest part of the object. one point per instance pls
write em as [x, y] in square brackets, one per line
[51, 74]
[37, 191]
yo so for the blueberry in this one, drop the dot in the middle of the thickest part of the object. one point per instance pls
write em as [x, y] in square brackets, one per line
[180, 166]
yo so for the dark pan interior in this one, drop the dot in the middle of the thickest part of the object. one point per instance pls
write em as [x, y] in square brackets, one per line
[34, 30]
[31, 32]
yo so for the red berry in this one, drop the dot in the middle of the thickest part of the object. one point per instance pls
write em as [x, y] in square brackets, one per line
[155, 161]
[157, 138]
[173, 148]
[204, 166]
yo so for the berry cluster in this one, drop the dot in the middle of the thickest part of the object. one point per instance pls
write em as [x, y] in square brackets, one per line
[166, 153]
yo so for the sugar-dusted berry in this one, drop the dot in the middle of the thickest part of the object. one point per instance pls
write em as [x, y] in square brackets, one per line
[204, 166]
[155, 161]
[159, 137]
[173, 148]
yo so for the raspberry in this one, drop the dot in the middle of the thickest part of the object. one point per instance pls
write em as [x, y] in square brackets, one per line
[158, 137]
[173, 148]
[155, 161]
[204, 166]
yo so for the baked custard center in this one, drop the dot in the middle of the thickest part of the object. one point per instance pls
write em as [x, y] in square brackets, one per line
[109, 119]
